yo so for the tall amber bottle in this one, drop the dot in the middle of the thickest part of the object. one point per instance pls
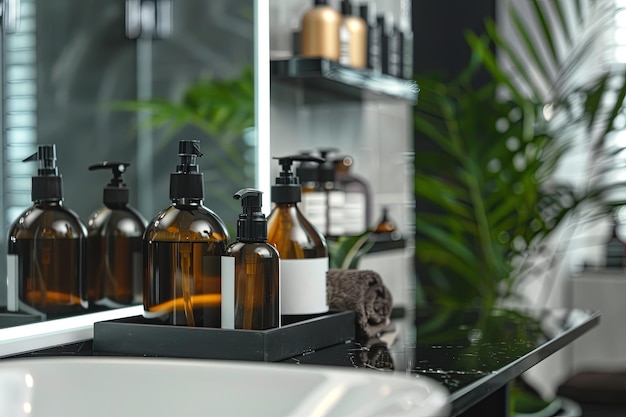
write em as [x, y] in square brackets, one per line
[302, 248]
[45, 262]
[183, 246]
[319, 35]
[114, 251]
[256, 268]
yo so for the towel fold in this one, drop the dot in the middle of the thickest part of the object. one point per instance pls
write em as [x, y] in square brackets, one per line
[363, 292]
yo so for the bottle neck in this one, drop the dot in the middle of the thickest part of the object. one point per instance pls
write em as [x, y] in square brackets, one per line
[187, 202]
[48, 203]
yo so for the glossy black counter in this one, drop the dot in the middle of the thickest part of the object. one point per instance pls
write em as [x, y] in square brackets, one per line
[474, 354]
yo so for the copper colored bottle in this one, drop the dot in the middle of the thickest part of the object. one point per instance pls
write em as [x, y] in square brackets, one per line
[183, 246]
[319, 35]
[352, 38]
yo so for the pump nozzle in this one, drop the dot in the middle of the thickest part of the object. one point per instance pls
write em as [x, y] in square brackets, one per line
[287, 188]
[47, 185]
[252, 224]
[115, 194]
[47, 157]
[187, 182]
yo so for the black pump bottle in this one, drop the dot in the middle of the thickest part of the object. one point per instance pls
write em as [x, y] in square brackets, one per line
[45, 262]
[183, 246]
[256, 268]
[114, 253]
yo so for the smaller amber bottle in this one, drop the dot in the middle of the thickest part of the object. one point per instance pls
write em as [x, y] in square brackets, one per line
[352, 38]
[114, 246]
[256, 268]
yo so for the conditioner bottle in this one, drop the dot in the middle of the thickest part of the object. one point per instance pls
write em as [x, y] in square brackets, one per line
[183, 246]
[302, 248]
[46, 249]
[114, 252]
[256, 268]
[319, 35]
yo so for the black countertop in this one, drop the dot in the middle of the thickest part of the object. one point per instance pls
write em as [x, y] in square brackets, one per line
[474, 354]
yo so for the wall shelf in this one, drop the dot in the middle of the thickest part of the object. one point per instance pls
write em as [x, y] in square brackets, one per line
[319, 74]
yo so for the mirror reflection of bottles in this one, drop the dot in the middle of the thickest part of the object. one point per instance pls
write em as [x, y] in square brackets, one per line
[183, 246]
[45, 262]
[255, 268]
[114, 251]
[302, 248]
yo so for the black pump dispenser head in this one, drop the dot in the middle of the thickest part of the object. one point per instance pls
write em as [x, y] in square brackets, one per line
[252, 224]
[115, 194]
[187, 182]
[47, 185]
[288, 188]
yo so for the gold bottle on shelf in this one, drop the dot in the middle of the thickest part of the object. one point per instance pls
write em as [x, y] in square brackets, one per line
[256, 266]
[46, 249]
[319, 35]
[302, 248]
[183, 246]
[352, 38]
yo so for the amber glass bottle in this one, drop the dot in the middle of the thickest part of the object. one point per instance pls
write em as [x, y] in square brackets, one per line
[45, 262]
[302, 248]
[114, 252]
[183, 246]
[256, 268]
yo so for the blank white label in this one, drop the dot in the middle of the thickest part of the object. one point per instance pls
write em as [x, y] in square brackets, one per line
[303, 286]
[228, 292]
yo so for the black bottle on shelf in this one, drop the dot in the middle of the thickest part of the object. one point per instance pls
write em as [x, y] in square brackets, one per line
[615, 255]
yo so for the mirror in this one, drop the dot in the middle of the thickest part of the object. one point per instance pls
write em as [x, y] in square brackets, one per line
[82, 74]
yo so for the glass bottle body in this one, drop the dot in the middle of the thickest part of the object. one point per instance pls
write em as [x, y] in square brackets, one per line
[257, 285]
[183, 246]
[114, 258]
[45, 262]
[303, 261]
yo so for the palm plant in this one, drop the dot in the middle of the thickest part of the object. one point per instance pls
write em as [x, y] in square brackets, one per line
[489, 203]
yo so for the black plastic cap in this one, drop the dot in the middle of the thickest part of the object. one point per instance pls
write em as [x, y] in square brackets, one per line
[47, 185]
[187, 182]
[115, 195]
[252, 224]
[346, 8]
[287, 188]
[321, 2]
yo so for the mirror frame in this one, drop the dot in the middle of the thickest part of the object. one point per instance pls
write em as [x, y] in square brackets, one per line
[31, 337]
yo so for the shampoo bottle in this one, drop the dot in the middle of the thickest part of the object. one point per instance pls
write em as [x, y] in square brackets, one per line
[319, 36]
[183, 246]
[114, 252]
[302, 248]
[256, 268]
[46, 249]
[352, 38]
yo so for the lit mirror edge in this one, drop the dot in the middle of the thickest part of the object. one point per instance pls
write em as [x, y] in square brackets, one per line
[34, 336]
[31, 337]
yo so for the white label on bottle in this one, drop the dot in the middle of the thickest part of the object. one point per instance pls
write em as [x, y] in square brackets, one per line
[313, 207]
[228, 292]
[12, 284]
[303, 286]
[354, 214]
[344, 45]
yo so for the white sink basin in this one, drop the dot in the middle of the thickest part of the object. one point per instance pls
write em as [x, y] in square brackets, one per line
[104, 386]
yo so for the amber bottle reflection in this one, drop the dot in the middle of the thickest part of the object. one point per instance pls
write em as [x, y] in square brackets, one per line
[45, 265]
[183, 246]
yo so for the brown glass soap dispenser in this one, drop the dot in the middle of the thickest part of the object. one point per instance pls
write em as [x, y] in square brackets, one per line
[183, 246]
[114, 251]
[256, 268]
[302, 248]
[45, 262]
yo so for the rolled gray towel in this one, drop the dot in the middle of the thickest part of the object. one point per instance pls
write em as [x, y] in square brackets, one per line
[363, 292]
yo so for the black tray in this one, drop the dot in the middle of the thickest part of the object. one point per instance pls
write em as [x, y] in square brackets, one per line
[138, 336]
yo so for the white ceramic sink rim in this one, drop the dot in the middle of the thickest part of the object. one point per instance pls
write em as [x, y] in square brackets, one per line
[105, 386]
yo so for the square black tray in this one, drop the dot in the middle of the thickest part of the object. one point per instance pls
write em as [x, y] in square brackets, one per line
[139, 336]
